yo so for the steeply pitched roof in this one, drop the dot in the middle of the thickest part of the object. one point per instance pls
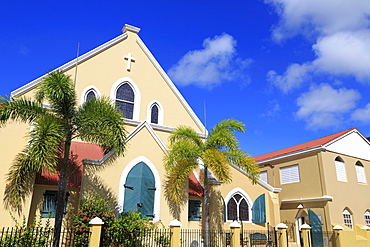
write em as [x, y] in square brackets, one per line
[79, 151]
[307, 145]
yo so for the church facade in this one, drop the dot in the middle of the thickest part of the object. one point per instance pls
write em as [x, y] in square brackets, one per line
[125, 70]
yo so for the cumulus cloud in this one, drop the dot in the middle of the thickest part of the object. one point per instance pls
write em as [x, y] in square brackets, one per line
[293, 77]
[323, 106]
[342, 34]
[208, 67]
[362, 114]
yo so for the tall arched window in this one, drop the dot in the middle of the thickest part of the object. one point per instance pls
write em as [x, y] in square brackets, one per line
[139, 190]
[367, 217]
[360, 171]
[237, 208]
[347, 218]
[154, 114]
[340, 170]
[125, 99]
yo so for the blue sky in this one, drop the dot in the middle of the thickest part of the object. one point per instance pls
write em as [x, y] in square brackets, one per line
[291, 70]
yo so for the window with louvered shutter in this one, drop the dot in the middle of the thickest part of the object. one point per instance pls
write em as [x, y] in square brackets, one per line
[360, 171]
[263, 176]
[289, 174]
[340, 170]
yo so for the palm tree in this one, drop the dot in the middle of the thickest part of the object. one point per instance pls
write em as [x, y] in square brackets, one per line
[55, 124]
[187, 151]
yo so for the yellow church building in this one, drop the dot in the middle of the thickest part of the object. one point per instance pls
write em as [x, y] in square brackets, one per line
[126, 71]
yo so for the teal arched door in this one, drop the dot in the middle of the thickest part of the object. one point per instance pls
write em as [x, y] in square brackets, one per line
[140, 190]
[316, 229]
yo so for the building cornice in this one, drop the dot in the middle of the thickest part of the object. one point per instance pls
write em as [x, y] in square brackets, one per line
[259, 181]
[313, 199]
[295, 153]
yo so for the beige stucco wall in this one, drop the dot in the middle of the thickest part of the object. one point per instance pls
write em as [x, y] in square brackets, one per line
[350, 194]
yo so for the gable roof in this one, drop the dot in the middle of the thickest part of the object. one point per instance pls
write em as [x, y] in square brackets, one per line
[314, 145]
[101, 48]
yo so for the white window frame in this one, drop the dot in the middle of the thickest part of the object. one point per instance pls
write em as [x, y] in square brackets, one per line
[290, 174]
[87, 90]
[160, 111]
[360, 172]
[367, 217]
[137, 99]
[246, 197]
[340, 170]
[264, 176]
[347, 218]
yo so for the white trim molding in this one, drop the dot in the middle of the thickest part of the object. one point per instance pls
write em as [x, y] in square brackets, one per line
[160, 112]
[70, 64]
[86, 90]
[135, 88]
[313, 199]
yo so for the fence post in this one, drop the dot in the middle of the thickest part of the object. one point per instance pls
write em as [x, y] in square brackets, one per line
[235, 234]
[282, 235]
[337, 229]
[306, 235]
[95, 232]
[175, 226]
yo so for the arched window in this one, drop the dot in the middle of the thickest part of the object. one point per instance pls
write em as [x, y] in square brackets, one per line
[367, 217]
[125, 99]
[154, 114]
[90, 94]
[139, 190]
[347, 218]
[360, 171]
[340, 169]
[237, 208]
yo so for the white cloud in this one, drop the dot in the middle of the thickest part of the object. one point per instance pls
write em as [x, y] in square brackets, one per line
[212, 65]
[323, 106]
[292, 78]
[344, 53]
[342, 34]
[273, 109]
[362, 114]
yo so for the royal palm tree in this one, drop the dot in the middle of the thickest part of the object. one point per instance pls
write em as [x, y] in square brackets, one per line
[57, 119]
[187, 151]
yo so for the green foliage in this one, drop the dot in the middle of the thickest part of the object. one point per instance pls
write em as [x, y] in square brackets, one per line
[22, 235]
[128, 229]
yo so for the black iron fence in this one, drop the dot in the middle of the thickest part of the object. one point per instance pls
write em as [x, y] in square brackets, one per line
[195, 238]
[40, 237]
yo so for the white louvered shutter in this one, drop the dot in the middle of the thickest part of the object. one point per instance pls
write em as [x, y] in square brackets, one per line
[360, 171]
[263, 176]
[289, 174]
[341, 171]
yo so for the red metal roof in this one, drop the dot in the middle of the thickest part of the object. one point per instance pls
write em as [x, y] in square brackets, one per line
[318, 142]
[79, 151]
[195, 189]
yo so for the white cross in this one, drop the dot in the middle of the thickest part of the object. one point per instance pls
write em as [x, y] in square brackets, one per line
[129, 59]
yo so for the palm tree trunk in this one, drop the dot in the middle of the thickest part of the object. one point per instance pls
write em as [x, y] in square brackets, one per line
[62, 191]
[207, 241]
[61, 198]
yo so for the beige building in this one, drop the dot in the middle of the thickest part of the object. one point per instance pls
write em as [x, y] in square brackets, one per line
[325, 182]
[125, 70]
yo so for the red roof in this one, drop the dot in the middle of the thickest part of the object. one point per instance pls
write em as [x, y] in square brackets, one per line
[195, 189]
[79, 151]
[318, 142]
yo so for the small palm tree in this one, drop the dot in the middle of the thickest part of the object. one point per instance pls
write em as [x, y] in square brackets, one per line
[187, 151]
[55, 124]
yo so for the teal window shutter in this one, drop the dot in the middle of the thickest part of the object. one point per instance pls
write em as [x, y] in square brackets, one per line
[140, 190]
[50, 203]
[194, 210]
[223, 203]
[259, 210]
